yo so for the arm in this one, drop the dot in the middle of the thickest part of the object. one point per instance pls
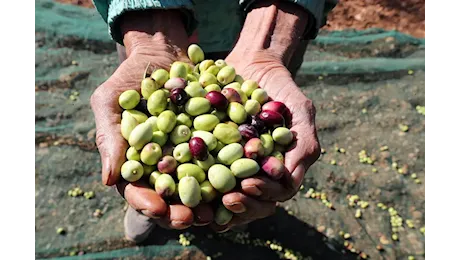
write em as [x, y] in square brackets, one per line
[271, 33]
[112, 10]
[296, 22]
[318, 10]
[157, 37]
[272, 29]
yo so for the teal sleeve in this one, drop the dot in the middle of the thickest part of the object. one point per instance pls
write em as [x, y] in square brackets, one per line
[111, 10]
[317, 8]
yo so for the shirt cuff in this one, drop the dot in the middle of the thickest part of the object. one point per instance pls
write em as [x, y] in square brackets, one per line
[317, 8]
[118, 7]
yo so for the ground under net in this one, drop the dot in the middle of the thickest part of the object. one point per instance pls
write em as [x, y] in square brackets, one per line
[368, 89]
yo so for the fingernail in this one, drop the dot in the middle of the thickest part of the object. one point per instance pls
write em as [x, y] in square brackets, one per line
[179, 224]
[237, 207]
[200, 224]
[223, 230]
[253, 190]
[149, 214]
[106, 171]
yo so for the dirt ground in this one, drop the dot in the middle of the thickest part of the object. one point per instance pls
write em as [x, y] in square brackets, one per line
[406, 16]
[377, 197]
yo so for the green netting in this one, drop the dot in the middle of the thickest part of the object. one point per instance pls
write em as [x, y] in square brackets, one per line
[365, 37]
[158, 251]
[70, 21]
[364, 84]
[364, 65]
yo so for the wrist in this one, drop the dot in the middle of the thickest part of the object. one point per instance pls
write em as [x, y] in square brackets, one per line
[272, 30]
[154, 32]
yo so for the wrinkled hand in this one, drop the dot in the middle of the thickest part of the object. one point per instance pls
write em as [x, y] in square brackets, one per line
[259, 194]
[112, 146]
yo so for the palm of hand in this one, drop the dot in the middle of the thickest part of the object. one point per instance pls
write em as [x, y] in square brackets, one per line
[277, 81]
[259, 195]
[279, 85]
[112, 146]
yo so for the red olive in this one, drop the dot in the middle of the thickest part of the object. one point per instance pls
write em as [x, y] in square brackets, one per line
[271, 118]
[217, 100]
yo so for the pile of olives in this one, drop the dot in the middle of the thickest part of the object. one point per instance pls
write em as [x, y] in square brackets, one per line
[195, 130]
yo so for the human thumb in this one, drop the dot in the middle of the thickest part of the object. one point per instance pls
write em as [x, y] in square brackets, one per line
[109, 141]
[111, 146]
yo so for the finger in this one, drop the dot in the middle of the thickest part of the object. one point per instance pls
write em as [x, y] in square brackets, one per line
[296, 178]
[303, 153]
[253, 210]
[164, 224]
[264, 188]
[277, 191]
[110, 142]
[203, 215]
[143, 198]
[247, 207]
[219, 228]
[235, 221]
[179, 217]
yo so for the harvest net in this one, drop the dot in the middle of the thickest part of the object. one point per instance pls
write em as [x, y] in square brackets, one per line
[368, 88]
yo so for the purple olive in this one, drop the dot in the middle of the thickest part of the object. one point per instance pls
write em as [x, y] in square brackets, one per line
[248, 131]
[178, 96]
[198, 148]
[258, 124]
[142, 107]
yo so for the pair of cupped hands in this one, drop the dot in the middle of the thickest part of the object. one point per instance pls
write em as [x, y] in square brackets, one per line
[256, 197]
